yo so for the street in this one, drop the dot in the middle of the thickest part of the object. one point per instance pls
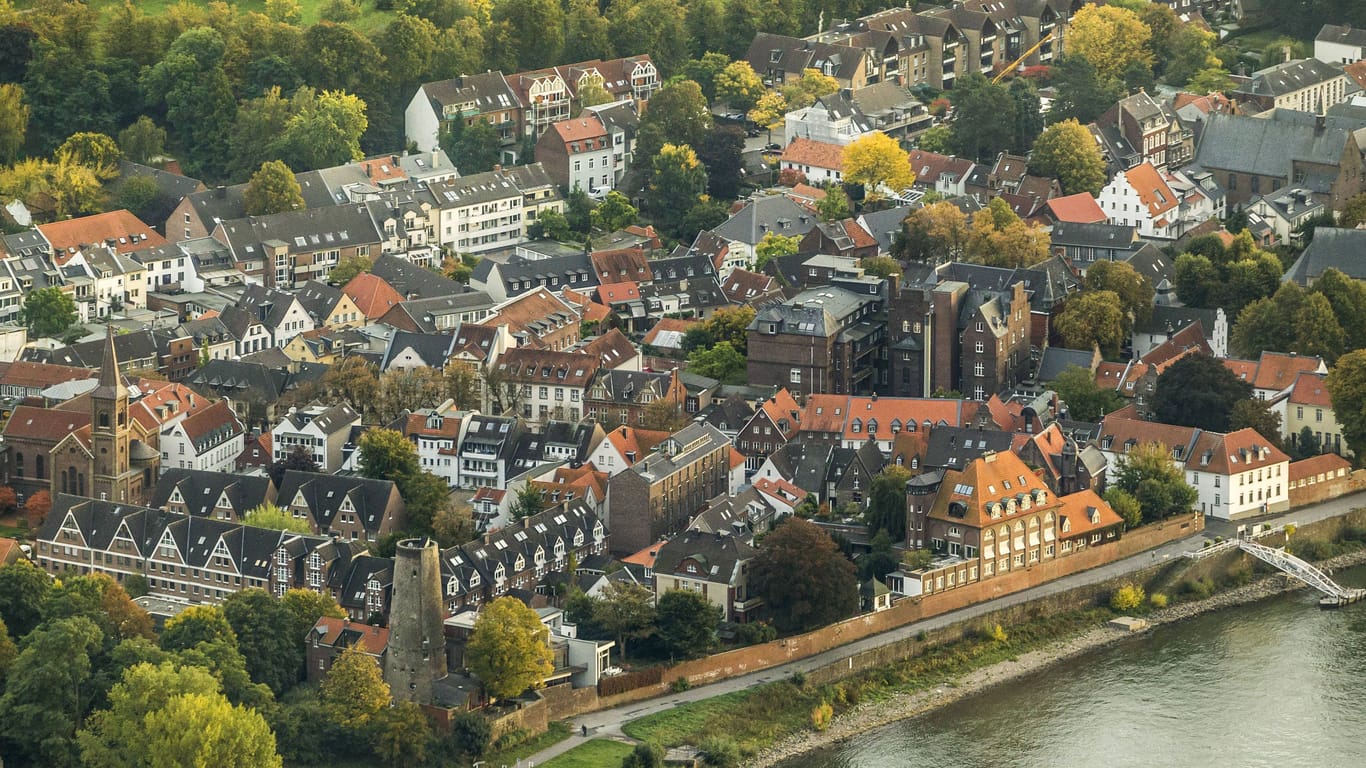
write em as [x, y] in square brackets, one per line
[608, 723]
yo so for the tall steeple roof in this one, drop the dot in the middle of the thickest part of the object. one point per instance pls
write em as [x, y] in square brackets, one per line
[110, 381]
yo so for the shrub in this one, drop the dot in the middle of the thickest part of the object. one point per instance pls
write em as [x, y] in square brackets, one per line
[1198, 588]
[720, 752]
[1127, 597]
[1239, 576]
[922, 636]
[755, 632]
[994, 633]
[798, 679]
[821, 716]
[680, 684]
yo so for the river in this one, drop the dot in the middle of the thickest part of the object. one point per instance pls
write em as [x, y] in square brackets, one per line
[1276, 683]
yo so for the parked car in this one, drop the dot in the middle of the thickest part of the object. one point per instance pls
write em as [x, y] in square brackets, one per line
[773, 147]
[752, 133]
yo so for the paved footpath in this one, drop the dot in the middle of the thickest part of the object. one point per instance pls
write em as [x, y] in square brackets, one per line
[607, 723]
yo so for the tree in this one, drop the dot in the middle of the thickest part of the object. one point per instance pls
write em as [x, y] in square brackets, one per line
[586, 31]
[474, 148]
[835, 205]
[508, 648]
[102, 600]
[9, 500]
[273, 189]
[878, 162]
[678, 115]
[1348, 300]
[402, 735]
[1067, 152]
[140, 195]
[703, 70]
[1196, 277]
[197, 729]
[1082, 94]
[722, 362]
[999, 238]
[267, 515]
[773, 245]
[739, 86]
[114, 737]
[650, 25]
[625, 611]
[1027, 113]
[525, 34]
[1110, 38]
[8, 651]
[48, 691]
[1353, 213]
[354, 691]
[305, 608]
[1093, 318]
[13, 121]
[678, 182]
[804, 579]
[1193, 53]
[48, 312]
[1347, 387]
[984, 123]
[196, 625]
[410, 390]
[1255, 414]
[1126, 506]
[348, 268]
[95, 151]
[1147, 473]
[23, 588]
[720, 154]
[1135, 291]
[264, 629]
[687, 623]
[934, 234]
[615, 212]
[1198, 391]
[300, 460]
[769, 111]
[385, 454]
[887, 502]
[530, 501]
[938, 138]
[36, 508]
[323, 131]
[730, 324]
[1210, 80]
[812, 85]
[1086, 400]
[1290, 321]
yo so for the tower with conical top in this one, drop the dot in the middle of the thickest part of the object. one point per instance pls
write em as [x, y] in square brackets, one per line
[109, 431]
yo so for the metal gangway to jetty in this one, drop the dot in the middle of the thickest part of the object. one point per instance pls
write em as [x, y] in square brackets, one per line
[1335, 595]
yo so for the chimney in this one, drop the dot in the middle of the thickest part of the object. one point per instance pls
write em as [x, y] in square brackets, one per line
[1285, 51]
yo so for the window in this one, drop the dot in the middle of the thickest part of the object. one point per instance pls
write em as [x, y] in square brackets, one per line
[981, 347]
[795, 376]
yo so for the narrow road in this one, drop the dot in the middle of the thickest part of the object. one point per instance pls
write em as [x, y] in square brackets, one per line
[607, 723]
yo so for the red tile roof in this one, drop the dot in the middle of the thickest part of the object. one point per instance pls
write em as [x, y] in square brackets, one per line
[1078, 510]
[1188, 340]
[585, 133]
[43, 423]
[375, 639]
[669, 325]
[1277, 370]
[637, 442]
[1309, 390]
[611, 292]
[737, 459]
[1080, 208]
[816, 154]
[372, 295]
[1319, 468]
[127, 231]
[621, 265]
[1152, 189]
[780, 489]
[40, 376]
[204, 421]
[1233, 453]
[836, 413]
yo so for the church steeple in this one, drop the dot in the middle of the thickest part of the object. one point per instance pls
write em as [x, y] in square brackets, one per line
[110, 381]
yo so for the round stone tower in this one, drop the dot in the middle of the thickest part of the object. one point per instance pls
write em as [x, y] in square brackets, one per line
[416, 657]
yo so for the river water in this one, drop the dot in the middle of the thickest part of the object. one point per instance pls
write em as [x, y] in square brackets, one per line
[1277, 683]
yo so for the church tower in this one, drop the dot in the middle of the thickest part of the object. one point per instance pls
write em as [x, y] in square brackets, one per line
[109, 430]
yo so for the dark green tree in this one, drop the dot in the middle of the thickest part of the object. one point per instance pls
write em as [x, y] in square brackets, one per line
[805, 580]
[1082, 94]
[678, 114]
[48, 312]
[881, 558]
[720, 155]
[1028, 114]
[1198, 391]
[1347, 387]
[1147, 473]
[48, 692]
[1086, 400]
[1254, 413]
[265, 636]
[23, 589]
[675, 187]
[473, 148]
[887, 502]
[984, 123]
[687, 623]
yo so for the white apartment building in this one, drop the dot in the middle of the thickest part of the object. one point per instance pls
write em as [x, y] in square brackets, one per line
[479, 213]
[210, 439]
[319, 430]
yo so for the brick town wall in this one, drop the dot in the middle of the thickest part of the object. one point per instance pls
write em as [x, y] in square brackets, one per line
[1303, 496]
[532, 718]
[756, 657]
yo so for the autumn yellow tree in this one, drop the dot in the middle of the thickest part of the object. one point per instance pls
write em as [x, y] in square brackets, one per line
[935, 233]
[769, 110]
[878, 162]
[1066, 151]
[1110, 37]
[812, 85]
[999, 238]
[508, 649]
[354, 691]
[739, 85]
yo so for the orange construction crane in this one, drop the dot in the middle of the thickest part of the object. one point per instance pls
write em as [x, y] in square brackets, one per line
[1012, 65]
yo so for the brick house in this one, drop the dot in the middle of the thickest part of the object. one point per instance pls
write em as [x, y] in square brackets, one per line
[660, 493]
[715, 565]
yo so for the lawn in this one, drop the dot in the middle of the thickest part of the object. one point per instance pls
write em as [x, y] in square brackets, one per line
[370, 19]
[597, 753]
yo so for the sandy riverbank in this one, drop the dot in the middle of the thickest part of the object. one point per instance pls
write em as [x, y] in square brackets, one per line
[865, 717]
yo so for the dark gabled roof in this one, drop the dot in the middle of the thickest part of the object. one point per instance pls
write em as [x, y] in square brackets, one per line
[1117, 236]
[423, 313]
[533, 272]
[1289, 77]
[717, 556]
[487, 91]
[355, 577]
[1166, 318]
[170, 186]
[328, 420]
[235, 378]
[328, 227]
[201, 490]
[319, 299]
[324, 495]
[1332, 248]
[1267, 146]
[956, 447]
[770, 213]
[622, 386]
[412, 281]
[270, 306]
[433, 348]
[1055, 360]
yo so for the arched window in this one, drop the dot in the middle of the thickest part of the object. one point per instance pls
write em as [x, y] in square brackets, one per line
[41, 462]
[987, 535]
[19, 465]
[520, 564]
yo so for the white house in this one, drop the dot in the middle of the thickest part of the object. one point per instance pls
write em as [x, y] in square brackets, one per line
[1285, 210]
[1163, 206]
[319, 430]
[480, 212]
[1340, 44]
[1238, 475]
[209, 439]
[623, 447]
[437, 432]
[821, 162]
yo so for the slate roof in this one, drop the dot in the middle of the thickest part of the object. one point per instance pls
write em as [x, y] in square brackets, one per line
[324, 495]
[770, 213]
[1171, 318]
[1288, 77]
[236, 378]
[1266, 146]
[328, 420]
[1055, 360]
[718, 556]
[433, 348]
[1341, 34]
[314, 229]
[956, 447]
[487, 91]
[1332, 248]
[201, 490]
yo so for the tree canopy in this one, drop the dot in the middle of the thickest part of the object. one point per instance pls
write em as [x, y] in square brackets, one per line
[1198, 391]
[273, 189]
[507, 649]
[805, 580]
[1086, 400]
[1067, 152]
[1347, 387]
[687, 623]
[1147, 474]
[878, 162]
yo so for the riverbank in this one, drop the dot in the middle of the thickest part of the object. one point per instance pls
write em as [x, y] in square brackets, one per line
[862, 718]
